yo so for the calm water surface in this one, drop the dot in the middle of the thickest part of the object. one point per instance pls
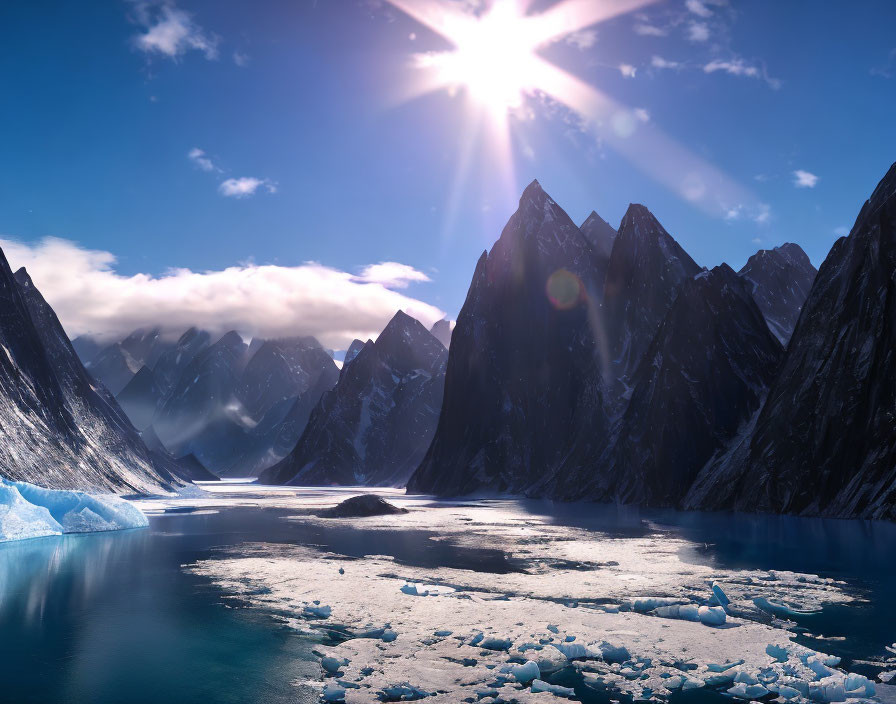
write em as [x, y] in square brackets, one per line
[112, 618]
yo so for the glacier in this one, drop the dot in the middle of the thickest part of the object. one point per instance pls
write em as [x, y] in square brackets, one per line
[29, 511]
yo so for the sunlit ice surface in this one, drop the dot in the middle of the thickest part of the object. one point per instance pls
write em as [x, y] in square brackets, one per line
[495, 65]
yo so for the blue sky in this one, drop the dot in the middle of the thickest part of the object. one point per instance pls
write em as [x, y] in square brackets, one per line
[303, 97]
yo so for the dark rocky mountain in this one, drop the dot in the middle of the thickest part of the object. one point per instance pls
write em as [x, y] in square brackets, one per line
[601, 235]
[375, 425]
[87, 347]
[825, 440]
[780, 280]
[520, 385]
[441, 330]
[352, 351]
[58, 429]
[703, 376]
[646, 269]
[188, 466]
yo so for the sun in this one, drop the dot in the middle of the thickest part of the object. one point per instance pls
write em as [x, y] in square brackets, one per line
[494, 59]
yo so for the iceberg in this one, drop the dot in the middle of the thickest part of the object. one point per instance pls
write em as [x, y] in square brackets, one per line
[29, 511]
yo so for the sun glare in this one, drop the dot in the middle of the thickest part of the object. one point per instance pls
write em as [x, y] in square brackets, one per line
[493, 60]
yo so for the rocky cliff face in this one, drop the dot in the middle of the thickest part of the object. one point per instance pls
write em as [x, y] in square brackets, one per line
[780, 280]
[516, 390]
[825, 440]
[58, 429]
[646, 269]
[702, 378]
[375, 425]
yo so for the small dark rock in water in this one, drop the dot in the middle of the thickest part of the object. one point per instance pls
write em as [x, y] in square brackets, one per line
[362, 506]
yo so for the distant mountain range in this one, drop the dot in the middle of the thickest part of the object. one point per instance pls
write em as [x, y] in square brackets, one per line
[587, 363]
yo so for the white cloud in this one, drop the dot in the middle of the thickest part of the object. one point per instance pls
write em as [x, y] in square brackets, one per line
[240, 59]
[627, 70]
[841, 231]
[756, 240]
[645, 29]
[201, 159]
[642, 114]
[762, 214]
[736, 67]
[245, 186]
[390, 274]
[171, 32]
[698, 31]
[661, 63]
[698, 7]
[91, 297]
[804, 179]
[583, 39]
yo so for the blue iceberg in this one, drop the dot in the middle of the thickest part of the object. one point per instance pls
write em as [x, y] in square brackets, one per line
[29, 511]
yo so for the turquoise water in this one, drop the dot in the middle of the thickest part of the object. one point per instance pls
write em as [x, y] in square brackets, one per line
[112, 618]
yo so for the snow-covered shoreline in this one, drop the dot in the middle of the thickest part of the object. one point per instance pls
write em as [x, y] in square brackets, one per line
[623, 613]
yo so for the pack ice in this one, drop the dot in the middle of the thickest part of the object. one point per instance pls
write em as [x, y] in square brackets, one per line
[29, 511]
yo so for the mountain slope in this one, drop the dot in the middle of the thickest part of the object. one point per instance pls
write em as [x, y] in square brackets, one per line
[59, 430]
[522, 347]
[703, 376]
[375, 425]
[646, 269]
[780, 280]
[825, 440]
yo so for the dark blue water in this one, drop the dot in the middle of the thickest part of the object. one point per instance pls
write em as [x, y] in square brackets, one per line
[112, 618]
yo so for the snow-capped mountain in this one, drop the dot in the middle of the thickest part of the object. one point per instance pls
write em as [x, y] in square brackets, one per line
[780, 280]
[58, 429]
[375, 425]
[519, 385]
[116, 364]
[825, 440]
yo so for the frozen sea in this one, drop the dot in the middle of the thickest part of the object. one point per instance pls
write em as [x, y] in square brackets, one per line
[240, 593]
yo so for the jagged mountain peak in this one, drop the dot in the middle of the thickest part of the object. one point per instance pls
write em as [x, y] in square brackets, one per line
[599, 233]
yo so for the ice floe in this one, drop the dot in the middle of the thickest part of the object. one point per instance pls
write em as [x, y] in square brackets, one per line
[29, 511]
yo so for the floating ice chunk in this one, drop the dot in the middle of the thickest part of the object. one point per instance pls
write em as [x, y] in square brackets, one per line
[20, 519]
[685, 612]
[785, 692]
[416, 589]
[28, 511]
[332, 665]
[495, 643]
[748, 691]
[555, 689]
[574, 651]
[613, 653]
[887, 676]
[649, 603]
[711, 615]
[858, 686]
[404, 692]
[333, 693]
[828, 691]
[777, 609]
[720, 595]
[778, 652]
[524, 673]
[316, 610]
[715, 667]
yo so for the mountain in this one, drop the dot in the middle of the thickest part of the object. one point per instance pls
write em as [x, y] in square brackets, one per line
[441, 330]
[117, 364]
[375, 425]
[522, 351]
[601, 235]
[703, 376]
[780, 280]
[825, 440]
[646, 269]
[57, 429]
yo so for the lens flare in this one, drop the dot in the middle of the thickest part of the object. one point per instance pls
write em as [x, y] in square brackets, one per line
[565, 290]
